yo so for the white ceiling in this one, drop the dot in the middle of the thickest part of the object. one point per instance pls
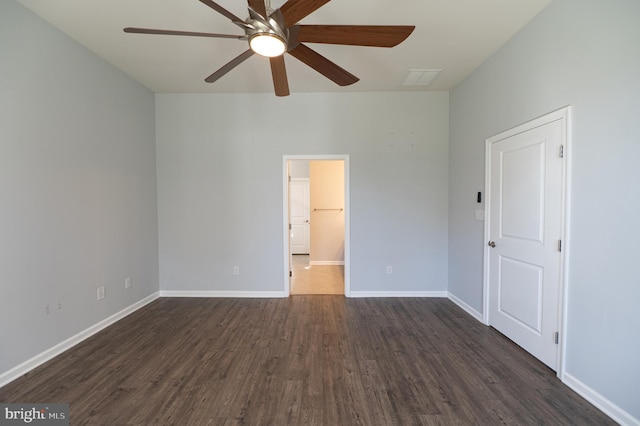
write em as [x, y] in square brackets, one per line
[453, 35]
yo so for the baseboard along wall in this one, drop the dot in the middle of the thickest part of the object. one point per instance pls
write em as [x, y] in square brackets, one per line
[595, 398]
[56, 350]
[599, 401]
[326, 263]
[225, 294]
[360, 294]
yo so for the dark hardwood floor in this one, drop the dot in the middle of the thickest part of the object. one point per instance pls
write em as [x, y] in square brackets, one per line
[306, 360]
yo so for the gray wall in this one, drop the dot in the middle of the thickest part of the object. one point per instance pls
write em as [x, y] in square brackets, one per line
[78, 165]
[220, 186]
[299, 169]
[585, 54]
[77, 187]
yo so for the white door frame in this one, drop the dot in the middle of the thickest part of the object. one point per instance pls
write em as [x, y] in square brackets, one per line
[563, 114]
[285, 217]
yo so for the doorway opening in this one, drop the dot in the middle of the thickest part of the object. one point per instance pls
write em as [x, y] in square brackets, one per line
[316, 224]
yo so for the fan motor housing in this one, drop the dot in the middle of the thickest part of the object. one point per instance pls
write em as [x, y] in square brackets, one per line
[273, 26]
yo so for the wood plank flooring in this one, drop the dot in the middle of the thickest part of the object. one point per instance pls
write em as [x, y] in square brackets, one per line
[305, 360]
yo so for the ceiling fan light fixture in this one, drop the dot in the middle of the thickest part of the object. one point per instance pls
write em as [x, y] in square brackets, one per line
[273, 32]
[266, 44]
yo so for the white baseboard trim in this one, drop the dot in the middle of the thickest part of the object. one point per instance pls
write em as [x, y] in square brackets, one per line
[465, 307]
[599, 401]
[326, 262]
[56, 350]
[355, 294]
[225, 294]
[602, 403]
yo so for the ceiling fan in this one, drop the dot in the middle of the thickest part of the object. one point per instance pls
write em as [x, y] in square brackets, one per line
[273, 33]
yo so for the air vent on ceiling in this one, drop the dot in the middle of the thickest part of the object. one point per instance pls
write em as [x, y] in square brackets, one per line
[420, 77]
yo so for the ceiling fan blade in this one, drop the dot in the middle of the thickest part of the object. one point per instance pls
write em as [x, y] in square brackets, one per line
[134, 30]
[221, 10]
[295, 10]
[258, 6]
[324, 66]
[229, 66]
[279, 73]
[355, 35]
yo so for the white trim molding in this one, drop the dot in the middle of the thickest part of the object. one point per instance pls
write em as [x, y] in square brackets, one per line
[326, 262]
[285, 216]
[56, 350]
[225, 294]
[465, 306]
[356, 294]
[603, 404]
[606, 406]
[564, 116]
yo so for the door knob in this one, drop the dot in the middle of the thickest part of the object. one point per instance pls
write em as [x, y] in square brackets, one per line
[492, 244]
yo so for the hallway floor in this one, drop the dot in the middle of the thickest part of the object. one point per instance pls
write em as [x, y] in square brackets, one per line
[316, 279]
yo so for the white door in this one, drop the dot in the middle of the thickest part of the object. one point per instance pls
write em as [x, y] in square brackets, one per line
[525, 228]
[299, 211]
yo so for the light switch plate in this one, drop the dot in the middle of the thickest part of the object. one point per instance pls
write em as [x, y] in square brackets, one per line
[479, 214]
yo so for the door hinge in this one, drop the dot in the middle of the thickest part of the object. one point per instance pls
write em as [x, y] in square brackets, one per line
[559, 245]
[289, 178]
[290, 274]
[289, 227]
[561, 151]
[556, 337]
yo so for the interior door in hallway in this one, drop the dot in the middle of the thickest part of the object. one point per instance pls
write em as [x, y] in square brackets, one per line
[525, 228]
[299, 211]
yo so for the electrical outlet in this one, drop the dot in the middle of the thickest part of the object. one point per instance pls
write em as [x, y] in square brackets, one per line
[389, 270]
[59, 306]
[100, 293]
[46, 310]
[127, 282]
[236, 270]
